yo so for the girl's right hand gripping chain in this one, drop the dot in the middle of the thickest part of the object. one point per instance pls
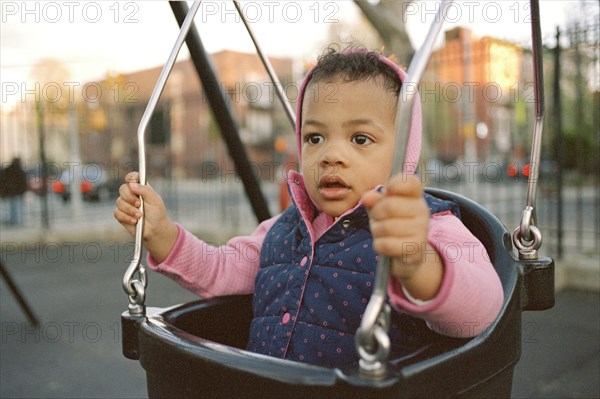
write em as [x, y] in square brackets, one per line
[160, 233]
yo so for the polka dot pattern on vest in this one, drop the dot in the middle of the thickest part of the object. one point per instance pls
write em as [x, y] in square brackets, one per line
[308, 304]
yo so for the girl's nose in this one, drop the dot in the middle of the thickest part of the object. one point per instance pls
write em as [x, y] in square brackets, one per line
[334, 154]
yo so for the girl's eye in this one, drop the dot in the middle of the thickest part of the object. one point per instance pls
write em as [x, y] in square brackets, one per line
[314, 138]
[361, 139]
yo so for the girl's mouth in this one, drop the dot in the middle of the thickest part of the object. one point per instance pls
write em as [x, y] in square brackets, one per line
[333, 187]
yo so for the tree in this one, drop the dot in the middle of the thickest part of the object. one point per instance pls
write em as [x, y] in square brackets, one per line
[50, 76]
[358, 32]
[388, 17]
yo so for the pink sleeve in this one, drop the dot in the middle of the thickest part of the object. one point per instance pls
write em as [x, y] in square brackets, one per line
[471, 293]
[207, 270]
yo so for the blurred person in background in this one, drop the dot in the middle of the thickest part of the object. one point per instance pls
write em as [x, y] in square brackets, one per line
[13, 184]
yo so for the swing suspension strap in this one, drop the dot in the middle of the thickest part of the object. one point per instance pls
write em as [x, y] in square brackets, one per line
[136, 287]
[272, 75]
[527, 238]
[372, 341]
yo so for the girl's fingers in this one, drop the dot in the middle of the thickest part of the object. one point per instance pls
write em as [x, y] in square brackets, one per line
[401, 197]
[127, 209]
[127, 205]
[370, 198]
[127, 195]
[132, 177]
[404, 229]
[131, 192]
[398, 207]
[124, 218]
[404, 185]
[150, 196]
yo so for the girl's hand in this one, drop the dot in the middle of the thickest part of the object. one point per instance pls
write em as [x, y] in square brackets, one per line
[399, 219]
[160, 233]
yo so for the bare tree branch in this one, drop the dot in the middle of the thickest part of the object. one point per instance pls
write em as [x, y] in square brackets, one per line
[388, 18]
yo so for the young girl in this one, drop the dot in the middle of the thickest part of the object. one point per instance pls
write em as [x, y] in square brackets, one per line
[311, 268]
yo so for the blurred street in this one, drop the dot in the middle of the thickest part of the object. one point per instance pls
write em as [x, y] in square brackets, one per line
[219, 207]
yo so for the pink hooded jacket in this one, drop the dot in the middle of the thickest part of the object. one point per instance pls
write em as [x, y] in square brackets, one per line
[468, 300]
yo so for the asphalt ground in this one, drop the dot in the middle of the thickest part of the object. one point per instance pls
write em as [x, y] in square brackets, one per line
[75, 352]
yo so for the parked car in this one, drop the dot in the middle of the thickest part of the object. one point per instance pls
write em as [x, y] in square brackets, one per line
[93, 183]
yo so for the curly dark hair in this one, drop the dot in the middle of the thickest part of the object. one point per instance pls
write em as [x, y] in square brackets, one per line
[355, 64]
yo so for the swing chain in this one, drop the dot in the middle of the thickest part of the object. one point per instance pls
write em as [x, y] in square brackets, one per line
[371, 339]
[267, 64]
[527, 237]
[374, 345]
[136, 288]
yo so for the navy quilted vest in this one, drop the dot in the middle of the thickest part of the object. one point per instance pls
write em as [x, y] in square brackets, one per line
[309, 300]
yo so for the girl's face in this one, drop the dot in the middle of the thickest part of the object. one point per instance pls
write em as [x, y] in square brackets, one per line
[348, 135]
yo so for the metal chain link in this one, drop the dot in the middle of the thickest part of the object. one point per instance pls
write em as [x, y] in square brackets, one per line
[527, 238]
[137, 300]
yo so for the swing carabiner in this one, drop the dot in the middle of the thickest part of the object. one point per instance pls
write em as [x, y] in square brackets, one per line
[527, 237]
[137, 300]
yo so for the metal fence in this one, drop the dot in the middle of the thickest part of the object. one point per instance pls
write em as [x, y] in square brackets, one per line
[219, 206]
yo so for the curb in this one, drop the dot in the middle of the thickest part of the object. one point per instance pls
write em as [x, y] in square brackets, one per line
[80, 234]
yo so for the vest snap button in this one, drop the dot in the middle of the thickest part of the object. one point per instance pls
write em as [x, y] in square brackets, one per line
[285, 319]
[303, 261]
[346, 223]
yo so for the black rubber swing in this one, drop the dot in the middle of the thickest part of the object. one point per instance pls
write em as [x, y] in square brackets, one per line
[188, 351]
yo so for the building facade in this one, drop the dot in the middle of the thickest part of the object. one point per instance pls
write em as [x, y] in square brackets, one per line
[183, 139]
[479, 85]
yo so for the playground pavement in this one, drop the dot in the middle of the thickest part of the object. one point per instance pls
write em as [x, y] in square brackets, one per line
[74, 289]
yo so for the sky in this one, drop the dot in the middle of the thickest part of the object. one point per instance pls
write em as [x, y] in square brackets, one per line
[92, 38]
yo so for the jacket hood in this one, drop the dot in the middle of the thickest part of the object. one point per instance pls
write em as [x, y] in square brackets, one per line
[413, 149]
